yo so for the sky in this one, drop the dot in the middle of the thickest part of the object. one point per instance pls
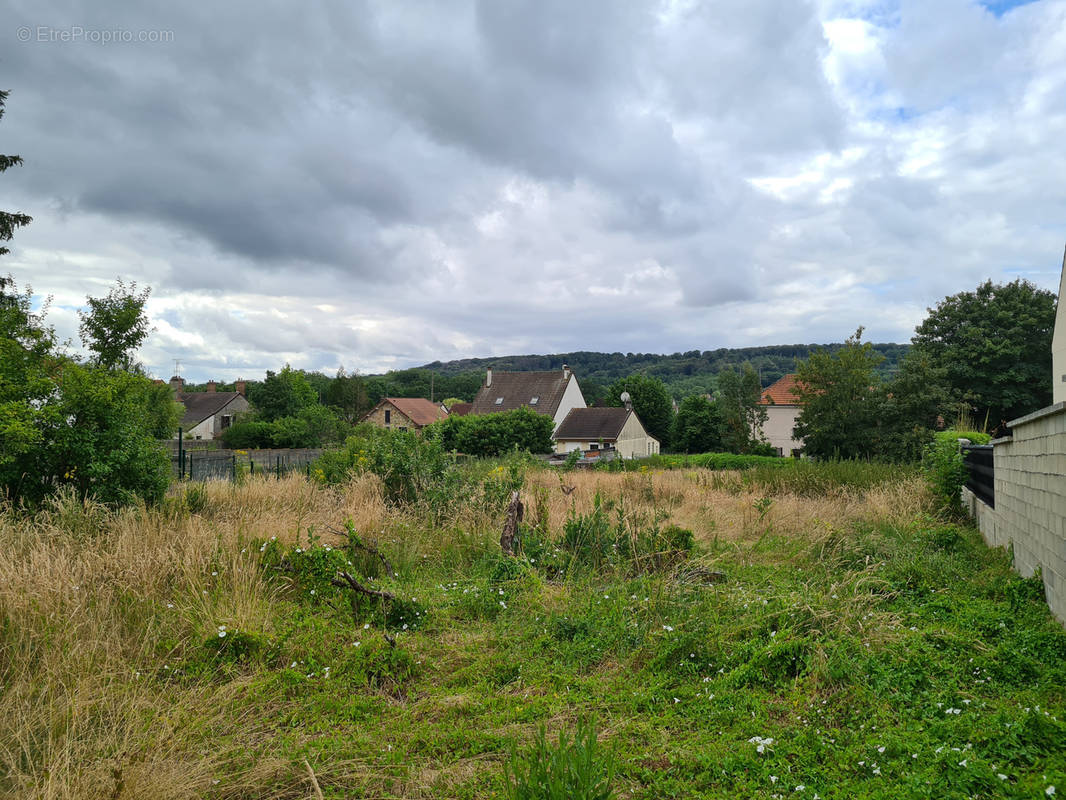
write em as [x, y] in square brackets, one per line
[378, 185]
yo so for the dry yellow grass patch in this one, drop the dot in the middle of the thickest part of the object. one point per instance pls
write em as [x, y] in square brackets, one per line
[691, 502]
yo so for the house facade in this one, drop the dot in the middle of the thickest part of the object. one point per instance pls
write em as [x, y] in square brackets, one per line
[597, 430]
[405, 413]
[208, 413]
[555, 393]
[782, 409]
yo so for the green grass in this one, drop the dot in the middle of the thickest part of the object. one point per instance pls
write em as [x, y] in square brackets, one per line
[879, 660]
[886, 662]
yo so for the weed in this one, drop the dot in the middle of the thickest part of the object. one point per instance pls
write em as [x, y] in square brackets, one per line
[571, 769]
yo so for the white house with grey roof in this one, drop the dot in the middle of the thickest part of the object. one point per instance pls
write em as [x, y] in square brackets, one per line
[208, 413]
[555, 393]
[598, 430]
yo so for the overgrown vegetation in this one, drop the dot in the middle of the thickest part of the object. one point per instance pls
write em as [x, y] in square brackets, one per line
[799, 629]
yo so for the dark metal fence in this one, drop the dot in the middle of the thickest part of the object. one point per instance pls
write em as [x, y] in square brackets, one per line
[980, 468]
[205, 465]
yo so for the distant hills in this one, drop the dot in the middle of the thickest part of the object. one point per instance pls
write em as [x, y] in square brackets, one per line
[692, 372]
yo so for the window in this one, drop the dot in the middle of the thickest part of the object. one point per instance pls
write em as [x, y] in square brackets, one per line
[499, 401]
[533, 402]
[388, 416]
[594, 446]
[227, 420]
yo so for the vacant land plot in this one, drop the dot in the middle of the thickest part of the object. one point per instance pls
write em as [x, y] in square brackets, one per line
[816, 635]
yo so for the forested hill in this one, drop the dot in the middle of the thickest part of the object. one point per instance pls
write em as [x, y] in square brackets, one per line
[684, 373]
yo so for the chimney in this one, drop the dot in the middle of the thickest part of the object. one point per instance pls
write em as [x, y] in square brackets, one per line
[488, 377]
[212, 386]
[566, 372]
[177, 383]
[241, 386]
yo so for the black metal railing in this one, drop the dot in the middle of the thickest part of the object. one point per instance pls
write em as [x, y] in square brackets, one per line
[980, 467]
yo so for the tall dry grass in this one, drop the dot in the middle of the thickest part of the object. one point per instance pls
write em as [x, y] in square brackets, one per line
[93, 601]
[693, 502]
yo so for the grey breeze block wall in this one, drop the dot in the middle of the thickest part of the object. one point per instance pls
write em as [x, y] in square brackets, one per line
[1030, 511]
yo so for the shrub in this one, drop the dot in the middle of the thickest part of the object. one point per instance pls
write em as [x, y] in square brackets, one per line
[946, 473]
[494, 434]
[411, 468]
[248, 435]
[569, 770]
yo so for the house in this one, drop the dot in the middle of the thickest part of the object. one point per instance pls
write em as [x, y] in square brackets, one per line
[596, 430]
[555, 393]
[782, 408]
[405, 413]
[208, 413]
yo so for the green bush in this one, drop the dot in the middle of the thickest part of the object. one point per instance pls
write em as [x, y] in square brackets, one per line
[494, 434]
[569, 770]
[946, 473]
[248, 435]
[411, 468]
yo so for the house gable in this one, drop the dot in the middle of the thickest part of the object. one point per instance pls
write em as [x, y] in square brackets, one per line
[553, 393]
[404, 412]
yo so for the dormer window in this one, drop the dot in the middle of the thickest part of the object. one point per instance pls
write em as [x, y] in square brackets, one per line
[533, 402]
[499, 401]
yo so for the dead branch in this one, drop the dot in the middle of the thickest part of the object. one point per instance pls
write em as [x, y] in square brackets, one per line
[371, 549]
[351, 583]
[510, 527]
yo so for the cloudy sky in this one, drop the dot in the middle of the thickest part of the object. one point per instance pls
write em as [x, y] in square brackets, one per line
[382, 184]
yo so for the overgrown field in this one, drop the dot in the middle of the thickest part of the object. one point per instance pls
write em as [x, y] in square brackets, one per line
[773, 633]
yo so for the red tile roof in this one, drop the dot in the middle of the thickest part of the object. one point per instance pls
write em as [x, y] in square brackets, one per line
[780, 392]
[417, 409]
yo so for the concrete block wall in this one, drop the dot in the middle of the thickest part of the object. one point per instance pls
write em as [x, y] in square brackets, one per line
[1030, 512]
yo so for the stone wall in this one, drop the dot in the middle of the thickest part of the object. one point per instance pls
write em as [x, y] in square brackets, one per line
[1030, 494]
[397, 419]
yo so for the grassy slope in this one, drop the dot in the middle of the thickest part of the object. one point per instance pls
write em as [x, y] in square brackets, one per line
[885, 653]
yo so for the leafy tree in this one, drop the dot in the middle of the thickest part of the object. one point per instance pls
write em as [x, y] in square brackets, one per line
[697, 426]
[347, 394]
[63, 423]
[743, 417]
[113, 327]
[651, 402]
[282, 394]
[911, 406]
[9, 220]
[994, 345]
[840, 399]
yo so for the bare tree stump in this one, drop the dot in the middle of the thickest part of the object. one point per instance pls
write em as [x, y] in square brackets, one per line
[510, 525]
